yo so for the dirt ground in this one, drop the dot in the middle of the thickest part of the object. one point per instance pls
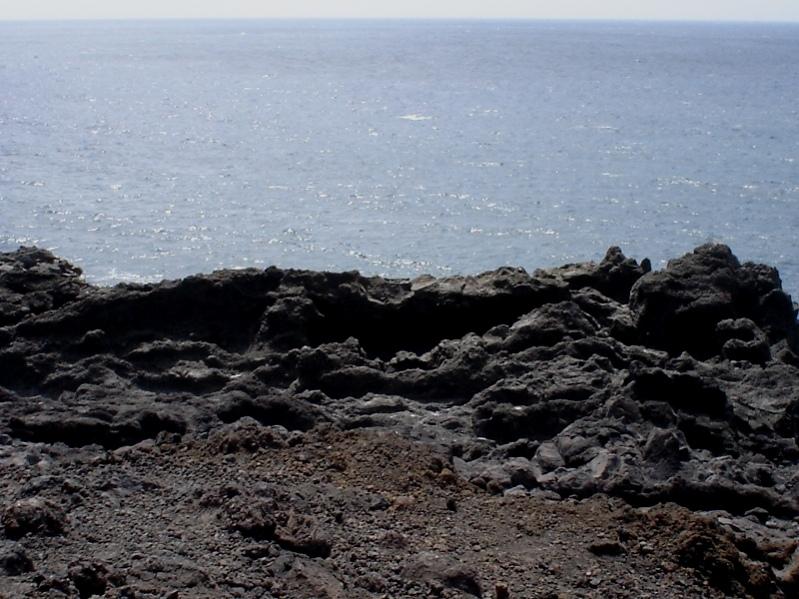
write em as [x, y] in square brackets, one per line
[253, 511]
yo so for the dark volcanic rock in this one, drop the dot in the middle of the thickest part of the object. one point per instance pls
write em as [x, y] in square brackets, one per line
[72, 429]
[646, 387]
[679, 385]
[89, 578]
[293, 413]
[34, 516]
[13, 559]
[32, 281]
[98, 426]
[431, 568]
[742, 339]
[613, 277]
[253, 519]
[680, 308]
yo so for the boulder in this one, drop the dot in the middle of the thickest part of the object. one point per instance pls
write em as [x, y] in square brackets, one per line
[32, 281]
[679, 309]
[33, 516]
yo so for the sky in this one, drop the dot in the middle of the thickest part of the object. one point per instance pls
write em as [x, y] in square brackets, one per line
[713, 10]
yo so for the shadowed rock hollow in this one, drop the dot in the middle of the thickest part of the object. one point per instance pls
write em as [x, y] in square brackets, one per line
[680, 385]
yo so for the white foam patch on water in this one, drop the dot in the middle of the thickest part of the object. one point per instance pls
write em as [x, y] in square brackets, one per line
[114, 276]
[415, 117]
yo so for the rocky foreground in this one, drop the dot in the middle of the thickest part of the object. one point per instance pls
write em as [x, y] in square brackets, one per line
[595, 430]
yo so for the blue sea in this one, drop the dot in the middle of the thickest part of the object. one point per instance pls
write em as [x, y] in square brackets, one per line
[149, 150]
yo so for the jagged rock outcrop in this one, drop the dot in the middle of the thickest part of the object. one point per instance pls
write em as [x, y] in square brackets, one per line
[678, 385]
[707, 300]
[32, 281]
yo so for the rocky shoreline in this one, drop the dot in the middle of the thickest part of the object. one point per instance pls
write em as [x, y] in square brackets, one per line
[645, 415]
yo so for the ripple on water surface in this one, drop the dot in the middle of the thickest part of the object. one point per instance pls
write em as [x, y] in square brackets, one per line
[149, 150]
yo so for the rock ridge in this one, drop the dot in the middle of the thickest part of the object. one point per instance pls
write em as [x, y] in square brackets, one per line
[673, 385]
[589, 380]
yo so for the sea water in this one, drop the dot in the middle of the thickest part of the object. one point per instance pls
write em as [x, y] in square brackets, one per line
[144, 150]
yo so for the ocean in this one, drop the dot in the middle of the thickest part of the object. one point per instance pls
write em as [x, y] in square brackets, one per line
[150, 150]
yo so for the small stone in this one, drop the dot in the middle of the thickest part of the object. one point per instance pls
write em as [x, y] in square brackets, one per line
[403, 502]
[252, 519]
[447, 476]
[548, 457]
[33, 516]
[602, 548]
[89, 578]
[13, 559]
[442, 569]
[378, 504]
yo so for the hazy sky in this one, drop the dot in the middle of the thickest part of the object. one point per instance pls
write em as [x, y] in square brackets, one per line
[739, 10]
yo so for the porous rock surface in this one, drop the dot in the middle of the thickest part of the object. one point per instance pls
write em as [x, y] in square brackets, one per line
[662, 404]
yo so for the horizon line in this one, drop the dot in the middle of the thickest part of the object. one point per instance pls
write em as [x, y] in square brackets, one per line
[399, 18]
